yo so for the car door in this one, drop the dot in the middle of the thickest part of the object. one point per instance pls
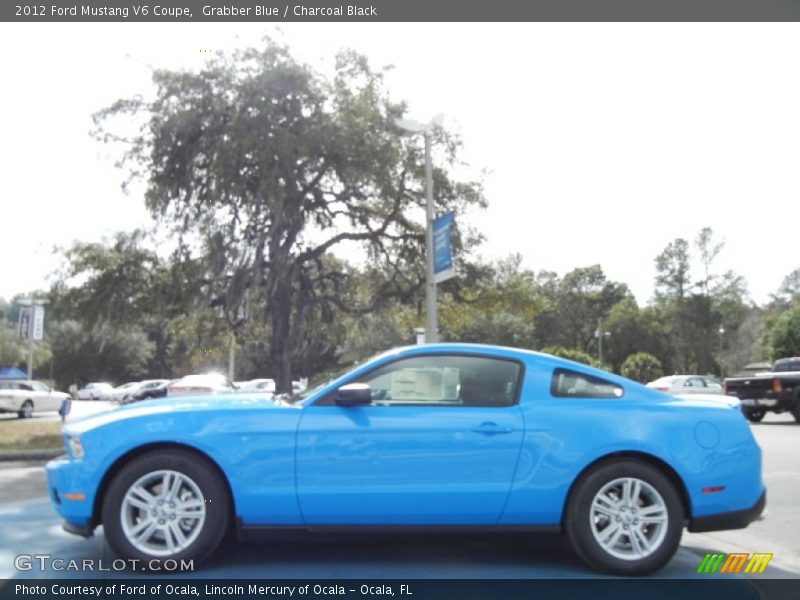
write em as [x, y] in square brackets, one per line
[43, 397]
[438, 444]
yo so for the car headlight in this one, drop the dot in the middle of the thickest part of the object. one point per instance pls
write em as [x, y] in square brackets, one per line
[75, 447]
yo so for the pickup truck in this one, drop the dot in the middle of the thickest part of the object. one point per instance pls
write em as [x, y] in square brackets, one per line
[776, 391]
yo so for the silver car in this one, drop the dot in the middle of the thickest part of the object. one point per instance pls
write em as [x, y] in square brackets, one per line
[686, 384]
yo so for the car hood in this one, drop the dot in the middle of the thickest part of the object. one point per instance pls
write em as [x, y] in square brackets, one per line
[179, 404]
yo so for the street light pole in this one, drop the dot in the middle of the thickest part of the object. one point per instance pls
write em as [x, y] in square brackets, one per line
[432, 334]
[413, 127]
[721, 360]
[32, 303]
[31, 319]
[600, 335]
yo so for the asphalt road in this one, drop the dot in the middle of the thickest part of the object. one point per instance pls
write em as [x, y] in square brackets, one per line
[29, 525]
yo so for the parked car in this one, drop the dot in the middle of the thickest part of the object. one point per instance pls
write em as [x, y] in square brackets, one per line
[25, 397]
[209, 383]
[93, 391]
[776, 391]
[127, 392]
[150, 390]
[120, 392]
[262, 385]
[439, 435]
[268, 385]
[686, 384]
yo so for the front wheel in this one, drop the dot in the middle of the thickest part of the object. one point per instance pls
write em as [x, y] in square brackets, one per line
[26, 410]
[625, 517]
[163, 505]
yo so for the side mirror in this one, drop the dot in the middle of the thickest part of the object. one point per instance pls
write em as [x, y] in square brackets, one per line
[354, 394]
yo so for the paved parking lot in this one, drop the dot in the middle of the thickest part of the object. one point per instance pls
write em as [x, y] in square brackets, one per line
[29, 525]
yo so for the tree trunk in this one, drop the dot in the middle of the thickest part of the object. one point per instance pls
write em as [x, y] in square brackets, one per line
[281, 310]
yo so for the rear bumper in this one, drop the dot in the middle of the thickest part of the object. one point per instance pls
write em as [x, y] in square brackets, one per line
[738, 519]
[759, 403]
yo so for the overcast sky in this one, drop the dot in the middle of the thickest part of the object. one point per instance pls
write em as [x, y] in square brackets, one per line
[603, 142]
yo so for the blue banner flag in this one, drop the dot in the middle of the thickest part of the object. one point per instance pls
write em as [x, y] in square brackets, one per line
[442, 250]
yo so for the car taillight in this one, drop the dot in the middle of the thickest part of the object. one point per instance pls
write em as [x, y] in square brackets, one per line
[661, 389]
[776, 386]
[724, 387]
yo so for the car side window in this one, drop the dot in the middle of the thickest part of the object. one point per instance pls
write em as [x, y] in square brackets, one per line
[574, 384]
[444, 380]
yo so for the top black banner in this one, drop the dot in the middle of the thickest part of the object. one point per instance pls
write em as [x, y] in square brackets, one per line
[277, 11]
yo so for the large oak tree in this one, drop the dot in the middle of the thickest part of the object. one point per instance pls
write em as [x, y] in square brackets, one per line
[265, 167]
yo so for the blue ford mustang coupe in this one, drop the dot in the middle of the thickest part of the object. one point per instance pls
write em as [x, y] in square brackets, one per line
[436, 436]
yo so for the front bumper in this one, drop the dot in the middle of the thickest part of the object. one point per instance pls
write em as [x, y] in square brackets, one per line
[65, 479]
[738, 519]
[85, 531]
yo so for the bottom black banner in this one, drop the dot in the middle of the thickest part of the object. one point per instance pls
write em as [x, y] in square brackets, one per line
[412, 589]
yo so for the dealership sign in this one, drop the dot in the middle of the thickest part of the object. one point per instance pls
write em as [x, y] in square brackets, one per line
[442, 249]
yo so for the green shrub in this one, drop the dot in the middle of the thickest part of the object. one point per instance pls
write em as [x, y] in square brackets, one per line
[642, 367]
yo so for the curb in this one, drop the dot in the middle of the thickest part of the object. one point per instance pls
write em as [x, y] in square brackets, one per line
[11, 455]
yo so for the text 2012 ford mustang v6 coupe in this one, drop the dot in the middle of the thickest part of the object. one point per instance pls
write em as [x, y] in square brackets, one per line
[440, 435]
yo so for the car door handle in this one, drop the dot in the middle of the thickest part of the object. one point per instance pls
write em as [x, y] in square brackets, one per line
[490, 428]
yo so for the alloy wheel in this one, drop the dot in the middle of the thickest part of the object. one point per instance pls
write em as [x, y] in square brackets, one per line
[162, 513]
[629, 518]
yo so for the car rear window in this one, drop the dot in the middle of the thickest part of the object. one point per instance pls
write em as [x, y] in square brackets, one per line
[789, 365]
[574, 384]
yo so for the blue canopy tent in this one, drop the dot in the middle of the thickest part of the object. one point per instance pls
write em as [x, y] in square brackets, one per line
[12, 373]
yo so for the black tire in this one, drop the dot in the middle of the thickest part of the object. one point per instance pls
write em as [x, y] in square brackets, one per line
[755, 416]
[26, 410]
[580, 522]
[796, 413]
[201, 472]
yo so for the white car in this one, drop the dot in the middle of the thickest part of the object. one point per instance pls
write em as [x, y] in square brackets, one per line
[119, 393]
[94, 391]
[686, 384]
[268, 385]
[260, 385]
[210, 383]
[26, 397]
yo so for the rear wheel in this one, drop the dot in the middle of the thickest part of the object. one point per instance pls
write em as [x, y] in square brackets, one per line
[166, 505]
[625, 517]
[26, 410]
[754, 416]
